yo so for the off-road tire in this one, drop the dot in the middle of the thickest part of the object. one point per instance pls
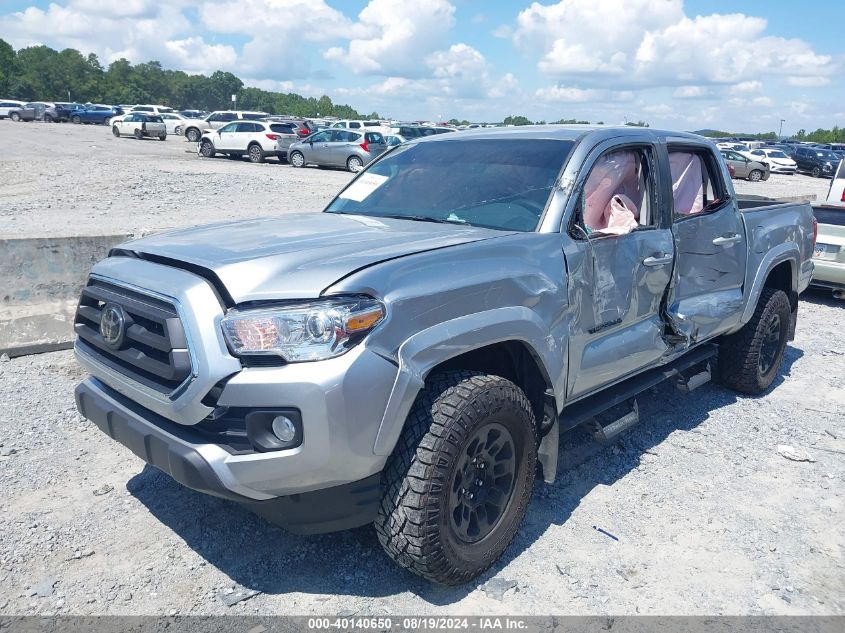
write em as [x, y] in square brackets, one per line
[740, 354]
[414, 524]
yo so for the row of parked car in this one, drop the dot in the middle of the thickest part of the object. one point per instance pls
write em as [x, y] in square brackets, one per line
[757, 160]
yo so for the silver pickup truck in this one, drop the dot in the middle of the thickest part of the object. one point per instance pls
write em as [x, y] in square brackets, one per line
[410, 356]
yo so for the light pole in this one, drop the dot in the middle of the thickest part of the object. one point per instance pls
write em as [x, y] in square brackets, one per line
[780, 132]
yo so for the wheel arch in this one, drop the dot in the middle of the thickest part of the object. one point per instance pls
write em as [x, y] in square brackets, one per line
[510, 342]
[777, 270]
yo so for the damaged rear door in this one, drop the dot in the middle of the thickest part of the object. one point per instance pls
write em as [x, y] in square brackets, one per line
[705, 297]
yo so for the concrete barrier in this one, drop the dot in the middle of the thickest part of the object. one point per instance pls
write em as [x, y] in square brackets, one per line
[40, 280]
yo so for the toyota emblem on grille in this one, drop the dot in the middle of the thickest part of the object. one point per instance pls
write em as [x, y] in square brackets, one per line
[113, 325]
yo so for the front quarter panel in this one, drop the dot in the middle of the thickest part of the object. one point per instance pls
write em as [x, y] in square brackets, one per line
[446, 302]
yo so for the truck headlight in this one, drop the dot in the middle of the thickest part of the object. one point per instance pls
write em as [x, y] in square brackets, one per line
[316, 330]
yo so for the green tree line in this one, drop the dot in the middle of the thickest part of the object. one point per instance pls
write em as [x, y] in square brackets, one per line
[42, 73]
[835, 135]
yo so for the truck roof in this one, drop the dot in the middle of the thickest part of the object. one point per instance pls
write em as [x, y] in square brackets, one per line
[563, 133]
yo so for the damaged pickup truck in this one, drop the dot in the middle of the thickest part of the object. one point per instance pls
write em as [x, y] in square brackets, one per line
[410, 356]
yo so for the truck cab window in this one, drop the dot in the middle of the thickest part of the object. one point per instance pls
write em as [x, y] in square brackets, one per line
[696, 187]
[617, 194]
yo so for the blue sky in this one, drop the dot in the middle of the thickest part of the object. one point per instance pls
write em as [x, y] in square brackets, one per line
[680, 64]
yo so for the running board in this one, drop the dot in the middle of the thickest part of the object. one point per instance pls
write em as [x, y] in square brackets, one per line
[591, 406]
[603, 434]
[691, 383]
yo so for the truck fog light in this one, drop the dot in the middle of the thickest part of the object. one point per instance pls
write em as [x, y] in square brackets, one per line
[283, 428]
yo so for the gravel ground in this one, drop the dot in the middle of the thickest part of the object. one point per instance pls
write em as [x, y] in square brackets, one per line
[692, 512]
[68, 179]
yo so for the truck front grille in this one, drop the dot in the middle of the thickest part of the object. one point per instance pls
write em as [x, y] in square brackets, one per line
[153, 349]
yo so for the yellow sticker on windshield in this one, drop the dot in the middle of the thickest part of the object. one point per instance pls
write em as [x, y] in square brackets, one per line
[363, 187]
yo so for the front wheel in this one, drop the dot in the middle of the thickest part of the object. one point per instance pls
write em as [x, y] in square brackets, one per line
[15, 117]
[457, 486]
[354, 164]
[296, 159]
[115, 131]
[817, 172]
[207, 149]
[192, 134]
[139, 135]
[755, 175]
[255, 153]
[750, 359]
[178, 130]
[107, 120]
[75, 120]
[48, 118]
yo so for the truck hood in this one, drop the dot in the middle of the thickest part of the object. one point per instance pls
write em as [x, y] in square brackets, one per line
[299, 256]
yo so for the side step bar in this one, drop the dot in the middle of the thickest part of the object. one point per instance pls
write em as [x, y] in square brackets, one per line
[583, 410]
[604, 434]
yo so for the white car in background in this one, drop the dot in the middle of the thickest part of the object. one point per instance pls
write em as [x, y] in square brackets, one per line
[174, 122]
[353, 124]
[9, 104]
[255, 139]
[193, 129]
[143, 109]
[778, 161]
[140, 125]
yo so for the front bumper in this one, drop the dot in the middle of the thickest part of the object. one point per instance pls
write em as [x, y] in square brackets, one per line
[173, 449]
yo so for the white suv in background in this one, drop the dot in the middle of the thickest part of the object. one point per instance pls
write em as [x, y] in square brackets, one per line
[193, 129]
[9, 104]
[142, 109]
[352, 124]
[254, 139]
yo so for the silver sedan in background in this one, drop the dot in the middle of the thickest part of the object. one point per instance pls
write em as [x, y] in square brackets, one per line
[336, 147]
[744, 167]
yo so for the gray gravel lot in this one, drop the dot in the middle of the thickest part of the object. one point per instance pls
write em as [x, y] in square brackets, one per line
[64, 179]
[692, 512]
[706, 516]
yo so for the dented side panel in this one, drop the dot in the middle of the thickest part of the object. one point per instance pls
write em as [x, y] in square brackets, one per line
[706, 297]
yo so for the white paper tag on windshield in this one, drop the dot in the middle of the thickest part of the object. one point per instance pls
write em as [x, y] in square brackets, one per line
[363, 187]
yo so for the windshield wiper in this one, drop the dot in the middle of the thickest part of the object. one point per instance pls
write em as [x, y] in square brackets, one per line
[420, 218]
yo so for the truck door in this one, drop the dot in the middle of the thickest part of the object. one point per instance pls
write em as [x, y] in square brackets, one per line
[619, 264]
[705, 298]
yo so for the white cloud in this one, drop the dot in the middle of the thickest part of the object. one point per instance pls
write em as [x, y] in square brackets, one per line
[691, 92]
[567, 94]
[139, 30]
[646, 43]
[394, 36]
[808, 81]
[659, 108]
[746, 87]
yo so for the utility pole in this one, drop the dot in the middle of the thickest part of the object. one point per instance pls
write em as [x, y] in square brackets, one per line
[780, 132]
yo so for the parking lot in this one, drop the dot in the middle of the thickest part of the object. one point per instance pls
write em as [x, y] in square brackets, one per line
[65, 179]
[694, 511]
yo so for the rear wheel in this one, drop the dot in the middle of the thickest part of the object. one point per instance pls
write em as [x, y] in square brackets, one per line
[207, 149]
[817, 172]
[106, 120]
[296, 159]
[115, 131]
[755, 175]
[255, 153]
[48, 118]
[750, 359]
[139, 134]
[354, 164]
[178, 130]
[76, 120]
[162, 137]
[461, 476]
[192, 134]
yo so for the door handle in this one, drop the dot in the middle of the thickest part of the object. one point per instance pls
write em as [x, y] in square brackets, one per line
[727, 240]
[658, 261]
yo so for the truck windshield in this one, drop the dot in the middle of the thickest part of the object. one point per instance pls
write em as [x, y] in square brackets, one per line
[495, 183]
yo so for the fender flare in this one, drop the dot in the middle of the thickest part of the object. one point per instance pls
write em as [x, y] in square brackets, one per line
[787, 252]
[423, 351]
